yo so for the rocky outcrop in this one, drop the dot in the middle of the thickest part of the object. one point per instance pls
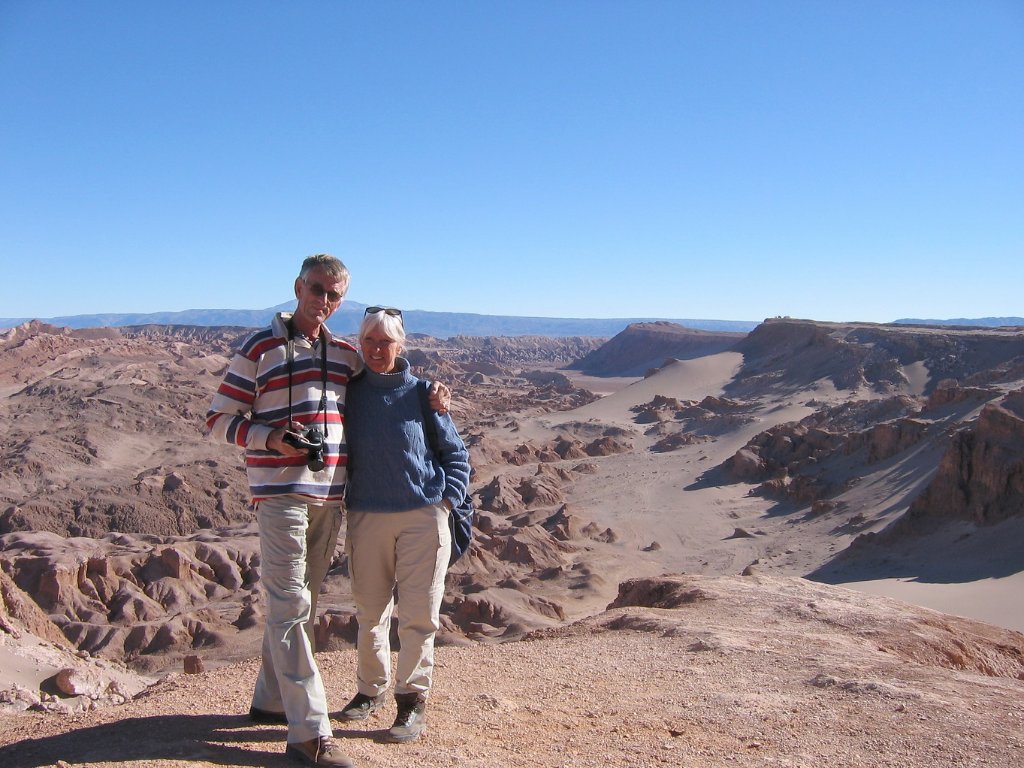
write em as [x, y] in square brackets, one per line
[925, 638]
[981, 476]
[681, 423]
[501, 495]
[565, 525]
[788, 354]
[19, 613]
[73, 681]
[123, 596]
[791, 460]
[643, 346]
[567, 447]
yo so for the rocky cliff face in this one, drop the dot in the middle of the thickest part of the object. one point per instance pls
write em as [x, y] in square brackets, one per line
[791, 461]
[981, 475]
[965, 413]
[979, 478]
[123, 596]
[73, 681]
[793, 353]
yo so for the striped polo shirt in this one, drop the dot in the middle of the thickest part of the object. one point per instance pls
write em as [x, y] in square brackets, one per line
[252, 402]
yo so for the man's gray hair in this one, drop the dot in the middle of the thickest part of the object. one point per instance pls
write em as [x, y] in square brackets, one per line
[332, 265]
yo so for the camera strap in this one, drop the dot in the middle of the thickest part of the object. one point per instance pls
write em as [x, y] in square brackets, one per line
[322, 408]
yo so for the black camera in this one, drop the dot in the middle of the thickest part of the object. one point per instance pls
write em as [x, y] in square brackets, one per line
[312, 440]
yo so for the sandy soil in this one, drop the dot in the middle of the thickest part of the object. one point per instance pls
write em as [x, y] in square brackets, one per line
[740, 671]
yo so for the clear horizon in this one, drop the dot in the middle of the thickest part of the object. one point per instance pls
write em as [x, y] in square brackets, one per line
[733, 161]
[4, 321]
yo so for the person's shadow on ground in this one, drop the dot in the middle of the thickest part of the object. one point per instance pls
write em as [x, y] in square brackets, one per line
[209, 738]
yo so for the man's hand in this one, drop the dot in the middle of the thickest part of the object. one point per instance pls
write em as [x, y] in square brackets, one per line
[440, 397]
[275, 441]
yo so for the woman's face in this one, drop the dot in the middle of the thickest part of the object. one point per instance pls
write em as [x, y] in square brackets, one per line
[379, 351]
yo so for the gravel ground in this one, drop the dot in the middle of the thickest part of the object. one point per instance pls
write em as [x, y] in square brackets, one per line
[745, 678]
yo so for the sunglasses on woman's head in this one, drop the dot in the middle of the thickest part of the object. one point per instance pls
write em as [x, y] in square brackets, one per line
[386, 310]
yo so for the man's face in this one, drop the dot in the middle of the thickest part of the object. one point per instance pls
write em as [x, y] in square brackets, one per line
[319, 295]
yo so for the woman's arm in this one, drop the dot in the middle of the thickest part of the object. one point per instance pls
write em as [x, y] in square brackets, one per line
[454, 458]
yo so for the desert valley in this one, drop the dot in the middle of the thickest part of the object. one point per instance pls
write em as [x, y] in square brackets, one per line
[797, 546]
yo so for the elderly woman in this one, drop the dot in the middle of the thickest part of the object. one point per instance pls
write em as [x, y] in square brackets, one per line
[400, 494]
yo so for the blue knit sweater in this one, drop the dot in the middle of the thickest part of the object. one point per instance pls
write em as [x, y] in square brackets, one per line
[391, 465]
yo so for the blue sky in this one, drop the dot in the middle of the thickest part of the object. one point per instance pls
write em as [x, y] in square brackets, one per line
[728, 160]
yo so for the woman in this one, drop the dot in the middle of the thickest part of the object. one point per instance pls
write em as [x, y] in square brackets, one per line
[400, 493]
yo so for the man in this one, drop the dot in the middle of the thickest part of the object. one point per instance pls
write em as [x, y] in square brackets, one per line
[283, 400]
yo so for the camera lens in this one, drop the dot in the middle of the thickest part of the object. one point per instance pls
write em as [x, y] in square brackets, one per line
[315, 460]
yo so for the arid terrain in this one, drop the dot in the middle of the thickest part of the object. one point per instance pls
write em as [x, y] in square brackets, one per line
[687, 548]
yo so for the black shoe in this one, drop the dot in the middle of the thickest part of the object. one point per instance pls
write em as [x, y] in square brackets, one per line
[258, 715]
[411, 722]
[362, 706]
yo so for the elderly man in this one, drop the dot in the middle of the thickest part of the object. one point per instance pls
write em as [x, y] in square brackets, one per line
[283, 400]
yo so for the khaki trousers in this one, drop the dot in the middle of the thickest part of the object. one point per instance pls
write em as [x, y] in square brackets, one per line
[408, 551]
[297, 540]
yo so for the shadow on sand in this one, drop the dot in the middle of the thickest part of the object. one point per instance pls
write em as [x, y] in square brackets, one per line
[230, 740]
[211, 738]
[953, 552]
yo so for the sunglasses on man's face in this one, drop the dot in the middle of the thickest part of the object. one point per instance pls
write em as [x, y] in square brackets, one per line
[319, 291]
[386, 310]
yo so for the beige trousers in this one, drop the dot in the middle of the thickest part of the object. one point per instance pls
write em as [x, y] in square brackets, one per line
[297, 540]
[403, 555]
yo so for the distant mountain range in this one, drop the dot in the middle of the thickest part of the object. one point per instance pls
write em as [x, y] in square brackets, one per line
[981, 322]
[440, 324]
[346, 320]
